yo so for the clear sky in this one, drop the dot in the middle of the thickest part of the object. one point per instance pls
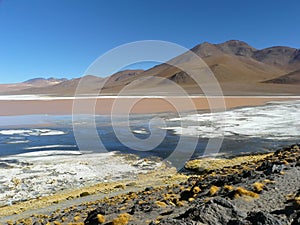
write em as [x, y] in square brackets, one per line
[60, 38]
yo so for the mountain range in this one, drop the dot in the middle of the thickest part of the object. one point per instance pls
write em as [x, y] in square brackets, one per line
[30, 84]
[240, 69]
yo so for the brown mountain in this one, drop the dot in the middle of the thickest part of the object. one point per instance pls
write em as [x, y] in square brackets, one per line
[278, 56]
[89, 84]
[239, 68]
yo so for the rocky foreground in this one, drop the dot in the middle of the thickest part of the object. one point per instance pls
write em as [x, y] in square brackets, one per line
[262, 189]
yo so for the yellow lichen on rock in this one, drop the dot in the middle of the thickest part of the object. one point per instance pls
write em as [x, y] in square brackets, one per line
[228, 188]
[267, 181]
[242, 191]
[161, 204]
[101, 218]
[207, 164]
[76, 218]
[122, 219]
[180, 203]
[191, 199]
[196, 190]
[258, 187]
[213, 190]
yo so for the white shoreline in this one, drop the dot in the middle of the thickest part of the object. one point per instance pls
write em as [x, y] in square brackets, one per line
[35, 174]
[49, 98]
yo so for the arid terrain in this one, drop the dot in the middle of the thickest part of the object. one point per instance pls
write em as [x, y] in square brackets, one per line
[257, 189]
[239, 68]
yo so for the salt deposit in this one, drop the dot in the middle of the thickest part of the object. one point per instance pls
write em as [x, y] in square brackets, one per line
[34, 174]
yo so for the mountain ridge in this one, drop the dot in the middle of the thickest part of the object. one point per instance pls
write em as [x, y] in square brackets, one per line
[38, 82]
[239, 68]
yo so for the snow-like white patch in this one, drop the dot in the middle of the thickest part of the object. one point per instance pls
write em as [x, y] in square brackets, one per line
[34, 174]
[141, 131]
[273, 121]
[50, 147]
[14, 132]
[32, 132]
[47, 132]
[18, 142]
[46, 153]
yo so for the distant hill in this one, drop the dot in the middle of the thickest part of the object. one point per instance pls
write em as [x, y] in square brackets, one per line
[44, 81]
[89, 83]
[32, 83]
[240, 69]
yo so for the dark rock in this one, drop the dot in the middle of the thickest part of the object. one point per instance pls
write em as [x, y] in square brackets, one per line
[174, 222]
[166, 213]
[185, 195]
[92, 218]
[121, 186]
[37, 223]
[296, 218]
[83, 194]
[148, 188]
[215, 212]
[234, 179]
[131, 184]
[248, 173]
[144, 207]
[238, 222]
[222, 180]
[265, 165]
[103, 209]
[263, 218]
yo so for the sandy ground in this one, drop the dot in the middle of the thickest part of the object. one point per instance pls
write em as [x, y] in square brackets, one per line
[105, 105]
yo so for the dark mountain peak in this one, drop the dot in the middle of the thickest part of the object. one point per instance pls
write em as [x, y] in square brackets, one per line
[236, 47]
[276, 50]
[206, 49]
[231, 47]
[236, 43]
[278, 55]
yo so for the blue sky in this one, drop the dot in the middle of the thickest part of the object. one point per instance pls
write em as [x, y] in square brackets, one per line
[61, 38]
